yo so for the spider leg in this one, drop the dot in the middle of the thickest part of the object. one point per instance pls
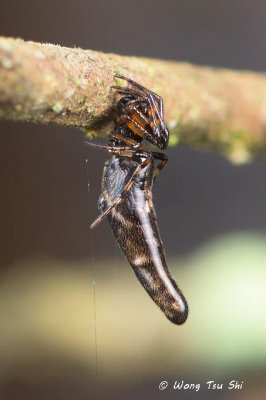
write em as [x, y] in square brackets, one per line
[110, 149]
[160, 103]
[133, 112]
[139, 95]
[128, 91]
[155, 101]
[135, 126]
[132, 143]
[132, 108]
[163, 158]
[136, 120]
[143, 89]
[149, 96]
[155, 113]
[133, 83]
[126, 189]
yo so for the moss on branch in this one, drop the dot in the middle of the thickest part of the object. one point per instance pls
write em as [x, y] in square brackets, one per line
[204, 107]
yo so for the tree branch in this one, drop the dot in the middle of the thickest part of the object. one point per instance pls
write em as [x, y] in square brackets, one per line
[204, 107]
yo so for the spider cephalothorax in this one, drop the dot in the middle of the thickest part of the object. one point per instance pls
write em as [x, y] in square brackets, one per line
[141, 110]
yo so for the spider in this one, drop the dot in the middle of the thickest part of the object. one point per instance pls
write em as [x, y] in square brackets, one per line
[139, 116]
[126, 197]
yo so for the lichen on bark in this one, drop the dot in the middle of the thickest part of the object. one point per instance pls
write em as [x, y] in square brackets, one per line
[205, 107]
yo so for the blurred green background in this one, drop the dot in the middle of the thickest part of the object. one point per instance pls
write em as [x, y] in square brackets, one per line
[74, 321]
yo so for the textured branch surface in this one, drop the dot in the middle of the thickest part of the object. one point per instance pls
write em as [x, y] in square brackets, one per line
[204, 107]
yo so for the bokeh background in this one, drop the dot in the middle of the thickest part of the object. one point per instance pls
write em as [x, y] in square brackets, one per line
[74, 321]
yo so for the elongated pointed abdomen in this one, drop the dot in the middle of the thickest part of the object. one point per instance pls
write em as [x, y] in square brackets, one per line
[135, 228]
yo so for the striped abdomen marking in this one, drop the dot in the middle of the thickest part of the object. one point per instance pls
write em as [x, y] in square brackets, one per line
[138, 237]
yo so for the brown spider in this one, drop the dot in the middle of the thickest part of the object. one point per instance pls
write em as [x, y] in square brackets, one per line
[126, 197]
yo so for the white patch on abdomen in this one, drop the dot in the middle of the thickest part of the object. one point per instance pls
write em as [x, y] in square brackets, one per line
[140, 260]
[151, 240]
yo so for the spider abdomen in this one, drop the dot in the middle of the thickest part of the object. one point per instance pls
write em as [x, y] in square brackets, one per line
[134, 224]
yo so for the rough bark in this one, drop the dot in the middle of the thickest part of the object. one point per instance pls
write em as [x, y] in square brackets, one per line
[204, 107]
